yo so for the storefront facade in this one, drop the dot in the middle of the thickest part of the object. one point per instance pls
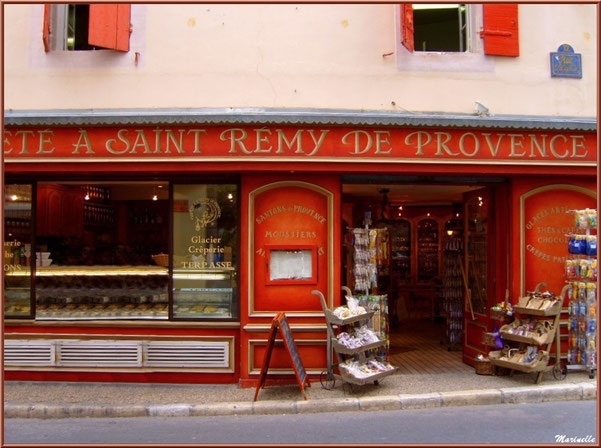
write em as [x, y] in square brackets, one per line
[247, 222]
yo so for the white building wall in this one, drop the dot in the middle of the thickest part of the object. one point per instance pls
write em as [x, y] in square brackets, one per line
[296, 56]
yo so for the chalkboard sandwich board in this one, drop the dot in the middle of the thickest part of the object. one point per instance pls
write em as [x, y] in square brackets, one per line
[280, 323]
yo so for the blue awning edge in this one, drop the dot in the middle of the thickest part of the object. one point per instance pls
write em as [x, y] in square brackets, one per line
[293, 117]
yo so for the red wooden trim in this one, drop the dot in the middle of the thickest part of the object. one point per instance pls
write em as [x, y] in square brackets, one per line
[501, 29]
[125, 377]
[141, 169]
[46, 28]
[407, 28]
[109, 26]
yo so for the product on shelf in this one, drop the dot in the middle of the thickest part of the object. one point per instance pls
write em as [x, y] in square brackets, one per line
[582, 277]
[365, 370]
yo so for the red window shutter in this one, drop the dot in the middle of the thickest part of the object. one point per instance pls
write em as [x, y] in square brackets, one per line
[407, 26]
[500, 33]
[109, 26]
[46, 28]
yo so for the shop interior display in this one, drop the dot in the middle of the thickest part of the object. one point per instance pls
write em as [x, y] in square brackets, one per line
[356, 345]
[535, 328]
[452, 291]
[400, 251]
[427, 250]
[101, 292]
[369, 255]
[17, 254]
[581, 274]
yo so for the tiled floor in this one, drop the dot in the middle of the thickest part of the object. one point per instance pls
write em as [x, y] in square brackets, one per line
[415, 347]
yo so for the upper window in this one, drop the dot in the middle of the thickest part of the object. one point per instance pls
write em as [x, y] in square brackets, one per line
[459, 27]
[440, 27]
[79, 26]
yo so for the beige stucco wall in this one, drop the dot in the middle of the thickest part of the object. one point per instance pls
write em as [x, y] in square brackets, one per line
[295, 56]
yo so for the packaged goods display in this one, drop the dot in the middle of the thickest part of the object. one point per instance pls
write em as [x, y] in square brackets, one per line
[365, 370]
[427, 250]
[535, 328]
[400, 248]
[452, 292]
[369, 254]
[581, 276]
[356, 341]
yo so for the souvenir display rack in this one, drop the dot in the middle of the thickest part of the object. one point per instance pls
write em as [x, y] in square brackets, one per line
[581, 273]
[363, 354]
[452, 292]
[531, 334]
[427, 250]
[400, 251]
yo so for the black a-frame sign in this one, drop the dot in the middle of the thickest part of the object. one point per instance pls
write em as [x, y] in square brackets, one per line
[280, 322]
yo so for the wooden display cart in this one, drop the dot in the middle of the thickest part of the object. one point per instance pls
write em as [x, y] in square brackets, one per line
[540, 364]
[328, 378]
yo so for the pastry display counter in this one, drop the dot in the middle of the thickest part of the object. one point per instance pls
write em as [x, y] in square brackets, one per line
[102, 292]
[203, 293]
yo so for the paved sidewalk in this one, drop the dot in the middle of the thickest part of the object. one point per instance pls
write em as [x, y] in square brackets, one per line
[62, 400]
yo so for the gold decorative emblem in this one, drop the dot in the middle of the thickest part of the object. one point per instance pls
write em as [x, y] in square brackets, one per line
[204, 211]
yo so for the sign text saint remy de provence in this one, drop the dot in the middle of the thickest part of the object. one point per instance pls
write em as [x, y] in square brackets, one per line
[302, 144]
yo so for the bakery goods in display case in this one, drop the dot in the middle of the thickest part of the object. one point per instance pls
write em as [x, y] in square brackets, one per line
[102, 292]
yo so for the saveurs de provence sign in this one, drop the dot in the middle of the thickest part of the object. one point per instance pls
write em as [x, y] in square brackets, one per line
[221, 143]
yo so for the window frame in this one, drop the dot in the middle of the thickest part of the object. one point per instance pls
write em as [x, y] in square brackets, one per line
[236, 311]
[56, 28]
[237, 298]
[471, 60]
[32, 267]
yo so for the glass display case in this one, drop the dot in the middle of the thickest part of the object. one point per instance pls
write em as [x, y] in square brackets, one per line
[203, 293]
[102, 292]
[400, 248]
[427, 250]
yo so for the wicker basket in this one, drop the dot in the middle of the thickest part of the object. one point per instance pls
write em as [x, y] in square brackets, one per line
[161, 260]
[489, 339]
[484, 367]
[498, 314]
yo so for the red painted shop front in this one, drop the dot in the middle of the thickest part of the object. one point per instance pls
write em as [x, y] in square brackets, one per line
[256, 218]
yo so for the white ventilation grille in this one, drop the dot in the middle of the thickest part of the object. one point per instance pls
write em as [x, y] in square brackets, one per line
[187, 354]
[114, 354]
[100, 354]
[28, 353]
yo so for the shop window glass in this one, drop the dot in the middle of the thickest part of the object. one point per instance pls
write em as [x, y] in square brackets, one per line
[205, 251]
[477, 211]
[94, 250]
[17, 250]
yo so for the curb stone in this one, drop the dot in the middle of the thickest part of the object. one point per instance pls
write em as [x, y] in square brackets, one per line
[387, 402]
[420, 401]
[336, 405]
[589, 391]
[513, 395]
[471, 397]
[274, 407]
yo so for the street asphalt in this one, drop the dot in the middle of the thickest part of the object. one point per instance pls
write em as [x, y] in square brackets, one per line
[67, 400]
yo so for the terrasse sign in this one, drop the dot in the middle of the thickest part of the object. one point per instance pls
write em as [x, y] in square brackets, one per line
[298, 144]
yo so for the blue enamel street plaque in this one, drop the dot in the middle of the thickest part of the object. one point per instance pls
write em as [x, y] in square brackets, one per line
[565, 63]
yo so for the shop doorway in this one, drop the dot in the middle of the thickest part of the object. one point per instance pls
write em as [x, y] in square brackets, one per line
[417, 242]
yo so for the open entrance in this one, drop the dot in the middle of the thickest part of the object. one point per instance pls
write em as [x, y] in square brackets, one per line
[427, 262]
